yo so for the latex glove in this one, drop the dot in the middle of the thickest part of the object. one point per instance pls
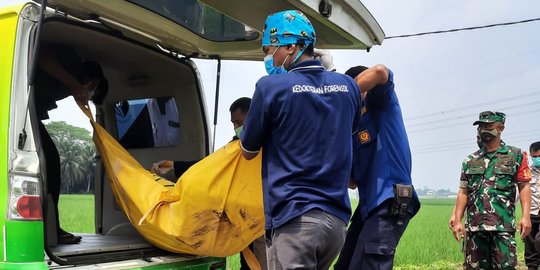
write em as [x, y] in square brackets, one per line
[326, 58]
[162, 167]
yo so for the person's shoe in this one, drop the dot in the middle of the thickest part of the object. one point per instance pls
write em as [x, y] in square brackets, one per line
[65, 238]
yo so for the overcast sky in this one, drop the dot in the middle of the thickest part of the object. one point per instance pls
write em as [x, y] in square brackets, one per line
[443, 81]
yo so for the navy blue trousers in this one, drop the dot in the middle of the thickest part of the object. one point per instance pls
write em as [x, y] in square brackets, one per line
[371, 244]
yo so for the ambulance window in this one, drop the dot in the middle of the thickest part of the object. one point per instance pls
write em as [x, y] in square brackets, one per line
[200, 19]
[149, 122]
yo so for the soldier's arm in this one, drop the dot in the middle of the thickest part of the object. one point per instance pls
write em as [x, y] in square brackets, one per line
[373, 76]
[452, 220]
[462, 197]
[524, 225]
[461, 203]
[525, 198]
[523, 177]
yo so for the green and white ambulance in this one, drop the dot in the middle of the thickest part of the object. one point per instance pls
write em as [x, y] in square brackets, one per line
[145, 48]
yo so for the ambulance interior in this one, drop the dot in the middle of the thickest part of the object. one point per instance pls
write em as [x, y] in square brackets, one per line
[138, 77]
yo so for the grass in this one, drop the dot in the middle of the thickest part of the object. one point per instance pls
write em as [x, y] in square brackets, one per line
[427, 239]
[77, 213]
[426, 244]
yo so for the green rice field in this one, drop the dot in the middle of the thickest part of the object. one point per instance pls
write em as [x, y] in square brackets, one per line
[426, 244]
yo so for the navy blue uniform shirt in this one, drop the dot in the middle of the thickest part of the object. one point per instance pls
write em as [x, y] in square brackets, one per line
[303, 121]
[382, 156]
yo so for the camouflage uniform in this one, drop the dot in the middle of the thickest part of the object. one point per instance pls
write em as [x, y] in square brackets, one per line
[491, 180]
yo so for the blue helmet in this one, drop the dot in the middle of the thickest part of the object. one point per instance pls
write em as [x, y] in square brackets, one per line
[288, 27]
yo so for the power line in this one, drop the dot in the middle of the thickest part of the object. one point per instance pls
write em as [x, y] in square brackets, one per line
[470, 142]
[461, 123]
[466, 68]
[469, 139]
[472, 106]
[455, 148]
[472, 114]
[463, 29]
[532, 135]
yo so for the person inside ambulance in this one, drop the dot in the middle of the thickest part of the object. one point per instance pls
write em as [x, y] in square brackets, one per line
[61, 73]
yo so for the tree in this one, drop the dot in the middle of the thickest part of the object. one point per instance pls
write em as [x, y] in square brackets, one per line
[77, 152]
[61, 131]
[88, 167]
[71, 162]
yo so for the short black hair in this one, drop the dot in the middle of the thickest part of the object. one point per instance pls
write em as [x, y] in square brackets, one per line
[309, 50]
[101, 92]
[535, 146]
[355, 71]
[242, 103]
[92, 69]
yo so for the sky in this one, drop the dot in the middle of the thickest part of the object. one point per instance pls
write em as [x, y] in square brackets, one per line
[442, 81]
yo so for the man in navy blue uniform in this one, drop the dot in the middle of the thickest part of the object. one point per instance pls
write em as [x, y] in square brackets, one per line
[382, 172]
[302, 117]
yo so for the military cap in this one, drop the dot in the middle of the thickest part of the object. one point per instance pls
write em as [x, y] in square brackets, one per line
[490, 117]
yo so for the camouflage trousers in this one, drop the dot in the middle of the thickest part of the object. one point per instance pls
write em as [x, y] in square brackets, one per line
[490, 250]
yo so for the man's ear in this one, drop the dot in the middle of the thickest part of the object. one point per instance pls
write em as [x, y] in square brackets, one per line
[291, 48]
[501, 128]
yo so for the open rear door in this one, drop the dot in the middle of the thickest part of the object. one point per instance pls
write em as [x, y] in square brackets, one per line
[230, 29]
[340, 24]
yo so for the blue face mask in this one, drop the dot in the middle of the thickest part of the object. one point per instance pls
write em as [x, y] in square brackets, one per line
[269, 64]
[536, 161]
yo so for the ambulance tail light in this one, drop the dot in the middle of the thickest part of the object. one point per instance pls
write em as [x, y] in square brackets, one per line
[24, 198]
[29, 207]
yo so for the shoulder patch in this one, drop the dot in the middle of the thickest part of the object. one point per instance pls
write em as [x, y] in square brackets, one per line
[514, 149]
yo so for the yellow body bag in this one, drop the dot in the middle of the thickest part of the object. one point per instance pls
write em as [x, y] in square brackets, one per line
[214, 209]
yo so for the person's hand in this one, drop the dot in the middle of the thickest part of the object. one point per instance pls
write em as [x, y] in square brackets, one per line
[452, 221]
[524, 226]
[458, 230]
[326, 58]
[162, 167]
[82, 93]
[352, 184]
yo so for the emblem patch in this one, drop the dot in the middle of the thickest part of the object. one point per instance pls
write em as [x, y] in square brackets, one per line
[364, 137]
[364, 110]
